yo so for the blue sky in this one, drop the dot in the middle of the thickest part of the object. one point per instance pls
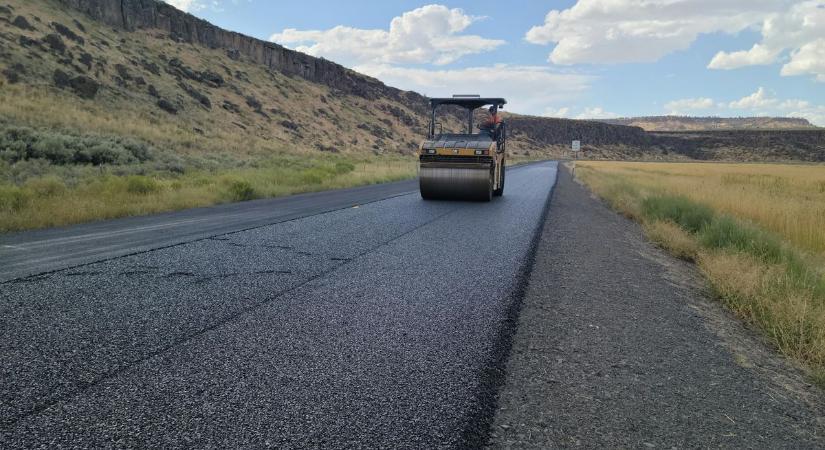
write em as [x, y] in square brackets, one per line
[570, 58]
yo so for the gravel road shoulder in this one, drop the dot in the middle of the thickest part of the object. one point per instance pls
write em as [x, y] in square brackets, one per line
[620, 345]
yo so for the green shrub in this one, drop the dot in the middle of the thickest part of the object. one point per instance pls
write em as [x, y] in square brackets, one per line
[13, 198]
[241, 191]
[314, 176]
[21, 144]
[726, 233]
[137, 184]
[344, 167]
[47, 186]
[689, 215]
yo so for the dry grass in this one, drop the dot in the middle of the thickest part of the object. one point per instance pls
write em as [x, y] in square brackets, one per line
[673, 238]
[757, 232]
[47, 201]
[788, 200]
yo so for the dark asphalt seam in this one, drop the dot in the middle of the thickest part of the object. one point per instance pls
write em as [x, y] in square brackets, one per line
[83, 387]
[494, 374]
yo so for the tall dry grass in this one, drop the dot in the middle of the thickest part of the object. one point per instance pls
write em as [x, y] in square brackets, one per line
[48, 202]
[757, 232]
[788, 200]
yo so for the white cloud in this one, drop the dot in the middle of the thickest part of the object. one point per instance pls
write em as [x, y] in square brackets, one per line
[528, 89]
[430, 34]
[184, 5]
[756, 101]
[618, 31]
[809, 59]
[596, 113]
[681, 106]
[799, 29]
[766, 104]
[757, 55]
[556, 112]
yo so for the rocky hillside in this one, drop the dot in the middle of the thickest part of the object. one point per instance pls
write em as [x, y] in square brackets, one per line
[202, 97]
[683, 123]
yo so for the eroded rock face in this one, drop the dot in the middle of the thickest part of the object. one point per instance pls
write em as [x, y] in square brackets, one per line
[154, 14]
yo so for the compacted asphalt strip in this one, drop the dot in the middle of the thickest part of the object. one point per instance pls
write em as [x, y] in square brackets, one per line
[370, 326]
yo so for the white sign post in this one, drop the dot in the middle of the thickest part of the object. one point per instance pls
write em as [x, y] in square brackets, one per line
[577, 146]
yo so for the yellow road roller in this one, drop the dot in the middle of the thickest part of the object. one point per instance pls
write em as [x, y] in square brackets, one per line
[464, 166]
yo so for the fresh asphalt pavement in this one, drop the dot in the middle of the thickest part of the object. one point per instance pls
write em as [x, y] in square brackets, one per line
[381, 325]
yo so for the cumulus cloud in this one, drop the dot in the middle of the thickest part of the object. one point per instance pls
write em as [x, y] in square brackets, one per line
[529, 89]
[682, 106]
[758, 100]
[430, 34]
[618, 31]
[809, 59]
[799, 29]
[764, 103]
[184, 5]
[556, 112]
[596, 113]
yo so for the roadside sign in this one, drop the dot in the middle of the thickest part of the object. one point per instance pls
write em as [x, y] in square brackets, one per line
[577, 146]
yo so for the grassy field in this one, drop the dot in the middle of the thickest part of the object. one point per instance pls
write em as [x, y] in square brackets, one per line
[94, 193]
[757, 231]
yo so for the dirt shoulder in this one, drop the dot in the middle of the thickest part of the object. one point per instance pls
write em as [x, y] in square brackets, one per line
[619, 345]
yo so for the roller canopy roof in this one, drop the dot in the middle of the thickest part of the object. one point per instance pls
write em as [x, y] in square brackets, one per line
[468, 102]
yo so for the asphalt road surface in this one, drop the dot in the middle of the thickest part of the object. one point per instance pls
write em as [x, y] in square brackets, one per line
[40, 251]
[382, 325]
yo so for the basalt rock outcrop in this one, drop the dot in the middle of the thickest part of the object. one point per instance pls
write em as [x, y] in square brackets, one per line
[131, 15]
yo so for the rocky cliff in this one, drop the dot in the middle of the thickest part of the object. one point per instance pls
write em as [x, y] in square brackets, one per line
[132, 15]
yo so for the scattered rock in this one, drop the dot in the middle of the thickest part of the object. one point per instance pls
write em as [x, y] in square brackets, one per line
[198, 131]
[79, 25]
[87, 60]
[289, 125]
[84, 86]
[26, 41]
[233, 54]
[60, 78]
[153, 91]
[243, 76]
[180, 70]
[212, 79]
[69, 34]
[150, 67]
[140, 81]
[119, 82]
[5, 11]
[196, 94]
[231, 107]
[13, 72]
[326, 148]
[123, 72]
[167, 106]
[55, 42]
[22, 23]
[254, 103]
